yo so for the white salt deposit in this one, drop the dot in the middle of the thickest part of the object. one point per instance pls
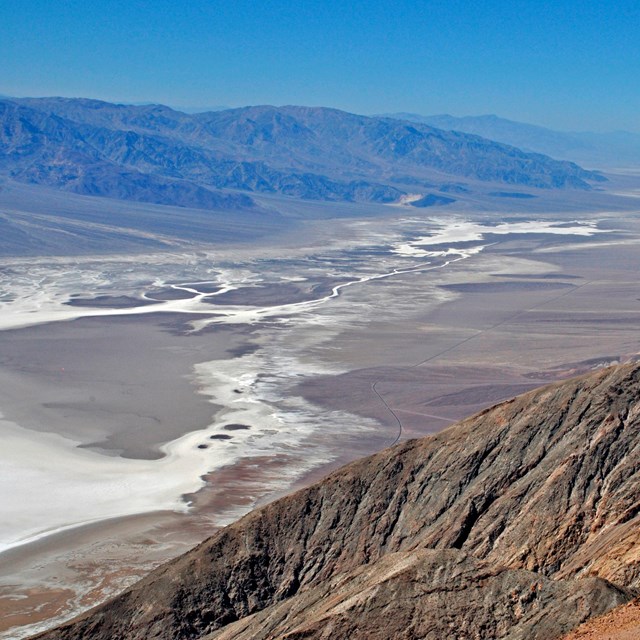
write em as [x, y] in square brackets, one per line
[465, 231]
[48, 484]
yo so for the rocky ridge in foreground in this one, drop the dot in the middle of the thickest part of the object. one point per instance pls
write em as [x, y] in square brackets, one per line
[519, 522]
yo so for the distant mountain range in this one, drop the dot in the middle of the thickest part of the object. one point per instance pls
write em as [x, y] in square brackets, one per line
[617, 149]
[152, 153]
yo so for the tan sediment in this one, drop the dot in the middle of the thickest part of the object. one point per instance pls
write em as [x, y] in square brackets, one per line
[623, 623]
[20, 607]
[55, 577]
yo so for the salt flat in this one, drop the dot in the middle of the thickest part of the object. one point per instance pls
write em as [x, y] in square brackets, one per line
[384, 329]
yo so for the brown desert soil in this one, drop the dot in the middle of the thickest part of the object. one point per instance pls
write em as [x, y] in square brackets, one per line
[623, 623]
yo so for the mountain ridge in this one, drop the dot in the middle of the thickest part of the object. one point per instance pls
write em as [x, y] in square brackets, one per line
[152, 151]
[46, 149]
[528, 511]
[613, 149]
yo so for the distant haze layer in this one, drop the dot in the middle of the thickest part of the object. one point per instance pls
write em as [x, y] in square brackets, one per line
[616, 149]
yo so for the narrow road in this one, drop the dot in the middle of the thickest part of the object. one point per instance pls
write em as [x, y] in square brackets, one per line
[460, 343]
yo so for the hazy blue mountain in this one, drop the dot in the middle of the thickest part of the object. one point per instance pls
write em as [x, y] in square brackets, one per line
[191, 109]
[42, 148]
[615, 149]
[154, 153]
[328, 139]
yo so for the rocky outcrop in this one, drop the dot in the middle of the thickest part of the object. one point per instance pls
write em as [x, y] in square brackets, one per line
[430, 594]
[538, 493]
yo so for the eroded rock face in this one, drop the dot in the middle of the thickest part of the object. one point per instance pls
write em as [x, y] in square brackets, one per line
[431, 594]
[542, 488]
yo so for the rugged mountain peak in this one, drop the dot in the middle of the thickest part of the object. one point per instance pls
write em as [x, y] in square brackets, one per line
[536, 495]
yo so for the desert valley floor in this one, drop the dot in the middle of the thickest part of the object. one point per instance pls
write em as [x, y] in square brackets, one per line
[147, 399]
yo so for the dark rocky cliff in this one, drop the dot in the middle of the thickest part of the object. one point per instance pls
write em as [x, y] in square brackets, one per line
[520, 522]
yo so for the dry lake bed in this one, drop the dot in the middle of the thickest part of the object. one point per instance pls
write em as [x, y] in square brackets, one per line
[147, 400]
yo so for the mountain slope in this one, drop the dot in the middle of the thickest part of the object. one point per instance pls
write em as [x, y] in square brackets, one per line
[98, 148]
[41, 148]
[430, 594]
[615, 149]
[537, 495]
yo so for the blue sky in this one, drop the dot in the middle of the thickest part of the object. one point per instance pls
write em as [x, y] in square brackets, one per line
[565, 64]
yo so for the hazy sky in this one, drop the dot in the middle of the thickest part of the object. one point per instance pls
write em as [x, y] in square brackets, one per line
[566, 64]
